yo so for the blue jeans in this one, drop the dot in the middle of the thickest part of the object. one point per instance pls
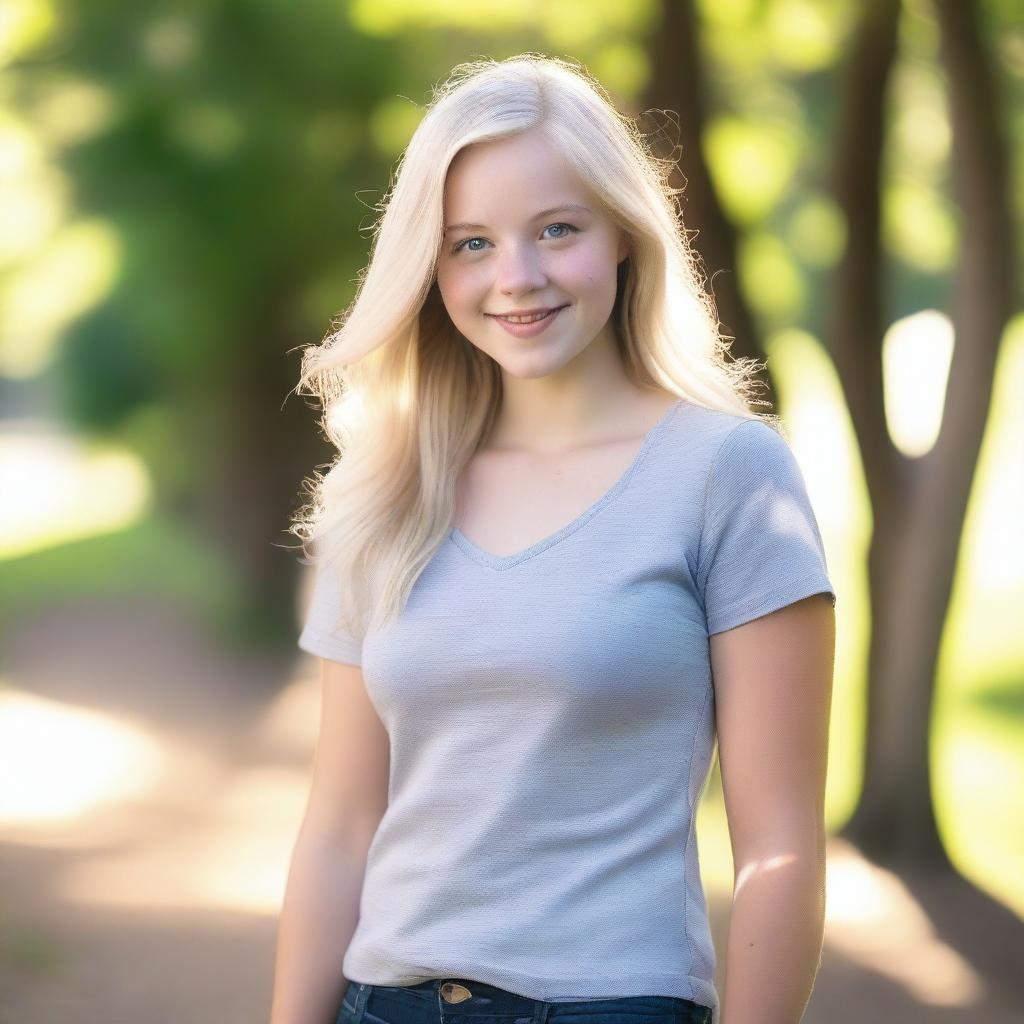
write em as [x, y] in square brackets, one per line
[464, 1001]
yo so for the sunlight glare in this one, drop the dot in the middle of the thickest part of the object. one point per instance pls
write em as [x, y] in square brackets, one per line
[874, 921]
[24, 24]
[60, 761]
[58, 489]
[916, 356]
[73, 273]
[235, 858]
[993, 547]
[753, 164]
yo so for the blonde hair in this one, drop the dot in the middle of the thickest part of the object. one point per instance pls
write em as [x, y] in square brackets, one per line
[407, 399]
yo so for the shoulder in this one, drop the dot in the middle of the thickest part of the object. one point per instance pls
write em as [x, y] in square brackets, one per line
[713, 439]
[752, 444]
[742, 467]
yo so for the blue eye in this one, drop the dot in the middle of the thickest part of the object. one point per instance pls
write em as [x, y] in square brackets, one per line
[570, 228]
[465, 243]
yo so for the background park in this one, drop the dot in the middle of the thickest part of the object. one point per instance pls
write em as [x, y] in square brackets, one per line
[188, 193]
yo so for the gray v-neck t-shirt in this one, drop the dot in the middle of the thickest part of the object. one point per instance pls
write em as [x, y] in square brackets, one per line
[551, 715]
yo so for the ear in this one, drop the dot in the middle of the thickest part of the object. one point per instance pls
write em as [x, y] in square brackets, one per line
[624, 246]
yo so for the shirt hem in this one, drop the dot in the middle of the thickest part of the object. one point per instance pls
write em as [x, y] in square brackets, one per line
[764, 604]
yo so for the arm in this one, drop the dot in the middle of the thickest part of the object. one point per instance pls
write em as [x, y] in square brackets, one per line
[347, 799]
[773, 691]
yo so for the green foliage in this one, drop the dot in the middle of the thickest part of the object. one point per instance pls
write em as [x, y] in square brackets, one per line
[227, 170]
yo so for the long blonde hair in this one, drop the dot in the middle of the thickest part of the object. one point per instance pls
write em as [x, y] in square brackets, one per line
[408, 400]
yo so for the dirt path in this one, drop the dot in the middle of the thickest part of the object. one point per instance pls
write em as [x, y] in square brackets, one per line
[173, 779]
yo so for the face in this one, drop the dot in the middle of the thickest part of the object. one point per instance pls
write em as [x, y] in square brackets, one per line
[522, 234]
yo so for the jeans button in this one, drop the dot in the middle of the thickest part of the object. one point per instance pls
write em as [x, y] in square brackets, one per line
[455, 993]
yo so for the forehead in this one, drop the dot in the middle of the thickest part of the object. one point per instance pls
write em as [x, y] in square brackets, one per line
[508, 177]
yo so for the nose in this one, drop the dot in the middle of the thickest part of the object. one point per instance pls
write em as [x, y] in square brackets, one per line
[520, 270]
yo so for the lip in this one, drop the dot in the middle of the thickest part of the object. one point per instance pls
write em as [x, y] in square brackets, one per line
[528, 330]
[526, 312]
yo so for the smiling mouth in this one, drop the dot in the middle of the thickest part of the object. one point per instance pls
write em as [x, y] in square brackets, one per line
[531, 319]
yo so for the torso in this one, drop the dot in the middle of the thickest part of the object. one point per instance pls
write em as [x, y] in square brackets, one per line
[507, 501]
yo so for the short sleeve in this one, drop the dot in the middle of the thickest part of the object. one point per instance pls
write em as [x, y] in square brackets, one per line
[760, 546]
[323, 633]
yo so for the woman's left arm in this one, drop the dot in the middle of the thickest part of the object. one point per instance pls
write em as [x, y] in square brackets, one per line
[773, 695]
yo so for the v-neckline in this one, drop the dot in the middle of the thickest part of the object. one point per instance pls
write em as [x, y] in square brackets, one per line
[478, 554]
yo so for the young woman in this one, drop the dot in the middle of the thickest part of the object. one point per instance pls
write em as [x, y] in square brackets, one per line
[558, 556]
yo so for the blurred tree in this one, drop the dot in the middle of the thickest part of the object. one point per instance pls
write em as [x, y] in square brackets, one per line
[238, 133]
[918, 502]
[677, 84]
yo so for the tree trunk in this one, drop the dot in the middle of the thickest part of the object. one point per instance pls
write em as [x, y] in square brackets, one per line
[676, 84]
[918, 503]
[269, 445]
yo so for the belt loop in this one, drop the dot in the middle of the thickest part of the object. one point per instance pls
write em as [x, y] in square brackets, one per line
[362, 996]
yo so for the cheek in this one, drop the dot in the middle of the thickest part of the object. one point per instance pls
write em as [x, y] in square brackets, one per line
[588, 270]
[458, 287]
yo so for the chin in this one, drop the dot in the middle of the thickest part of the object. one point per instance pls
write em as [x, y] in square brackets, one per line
[534, 365]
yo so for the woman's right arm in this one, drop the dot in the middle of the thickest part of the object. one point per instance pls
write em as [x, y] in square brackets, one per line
[347, 798]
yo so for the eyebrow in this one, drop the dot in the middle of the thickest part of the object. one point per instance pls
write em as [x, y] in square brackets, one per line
[573, 207]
